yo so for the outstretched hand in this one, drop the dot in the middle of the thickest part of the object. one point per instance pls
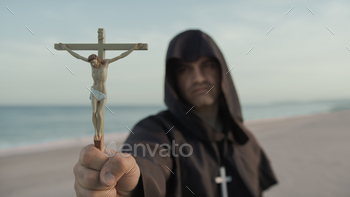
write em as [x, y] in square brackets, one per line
[138, 45]
[99, 175]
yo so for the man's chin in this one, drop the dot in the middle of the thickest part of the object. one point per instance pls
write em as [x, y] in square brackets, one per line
[203, 103]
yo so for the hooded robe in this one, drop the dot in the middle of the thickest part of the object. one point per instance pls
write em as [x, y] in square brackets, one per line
[234, 147]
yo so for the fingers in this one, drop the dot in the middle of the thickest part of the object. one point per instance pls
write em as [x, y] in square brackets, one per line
[129, 181]
[81, 191]
[96, 172]
[109, 152]
[92, 158]
[117, 168]
[88, 178]
[114, 169]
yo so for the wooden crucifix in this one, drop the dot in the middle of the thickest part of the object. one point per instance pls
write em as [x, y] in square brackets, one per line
[223, 180]
[99, 68]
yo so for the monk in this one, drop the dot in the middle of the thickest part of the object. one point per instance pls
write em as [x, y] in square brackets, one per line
[203, 110]
[98, 95]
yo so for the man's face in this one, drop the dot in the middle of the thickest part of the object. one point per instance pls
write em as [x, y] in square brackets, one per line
[195, 79]
[94, 63]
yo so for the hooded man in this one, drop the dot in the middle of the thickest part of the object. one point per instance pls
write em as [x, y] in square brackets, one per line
[214, 153]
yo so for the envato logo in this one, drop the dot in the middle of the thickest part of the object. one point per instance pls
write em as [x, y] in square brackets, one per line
[163, 150]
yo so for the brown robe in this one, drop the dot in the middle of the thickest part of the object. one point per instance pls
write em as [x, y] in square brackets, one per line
[235, 147]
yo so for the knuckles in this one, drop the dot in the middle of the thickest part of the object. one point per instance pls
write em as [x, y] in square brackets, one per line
[86, 155]
[118, 164]
[121, 162]
[78, 172]
[90, 180]
[75, 169]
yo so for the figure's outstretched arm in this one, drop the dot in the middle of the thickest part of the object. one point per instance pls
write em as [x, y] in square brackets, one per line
[63, 46]
[137, 46]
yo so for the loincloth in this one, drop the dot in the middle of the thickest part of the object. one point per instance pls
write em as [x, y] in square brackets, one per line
[98, 95]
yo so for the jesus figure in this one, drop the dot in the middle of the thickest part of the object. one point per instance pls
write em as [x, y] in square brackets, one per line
[98, 90]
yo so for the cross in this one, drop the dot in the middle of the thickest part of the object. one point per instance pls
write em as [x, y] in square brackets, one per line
[99, 68]
[223, 180]
[101, 46]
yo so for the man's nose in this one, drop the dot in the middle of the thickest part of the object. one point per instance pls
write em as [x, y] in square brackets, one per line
[198, 76]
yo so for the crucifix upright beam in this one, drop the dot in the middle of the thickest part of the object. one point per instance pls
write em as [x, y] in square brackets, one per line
[101, 46]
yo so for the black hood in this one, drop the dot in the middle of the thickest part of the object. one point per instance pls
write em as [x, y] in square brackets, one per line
[189, 46]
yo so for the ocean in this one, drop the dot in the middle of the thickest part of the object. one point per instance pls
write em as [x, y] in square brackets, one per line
[27, 125]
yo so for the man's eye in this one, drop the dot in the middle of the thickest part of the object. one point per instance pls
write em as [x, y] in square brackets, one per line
[181, 70]
[210, 65]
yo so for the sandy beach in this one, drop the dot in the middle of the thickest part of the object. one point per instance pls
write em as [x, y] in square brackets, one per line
[310, 155]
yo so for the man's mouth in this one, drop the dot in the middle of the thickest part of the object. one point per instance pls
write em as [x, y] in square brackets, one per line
[200, 90]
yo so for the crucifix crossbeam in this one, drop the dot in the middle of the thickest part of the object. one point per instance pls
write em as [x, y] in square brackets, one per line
[101, 46]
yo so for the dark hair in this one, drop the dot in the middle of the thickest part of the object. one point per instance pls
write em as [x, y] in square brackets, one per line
[93, 56]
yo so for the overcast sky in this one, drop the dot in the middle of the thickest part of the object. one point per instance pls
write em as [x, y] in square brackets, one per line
[298, 50]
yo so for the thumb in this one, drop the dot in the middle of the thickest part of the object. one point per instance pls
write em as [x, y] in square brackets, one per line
[116, 167]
